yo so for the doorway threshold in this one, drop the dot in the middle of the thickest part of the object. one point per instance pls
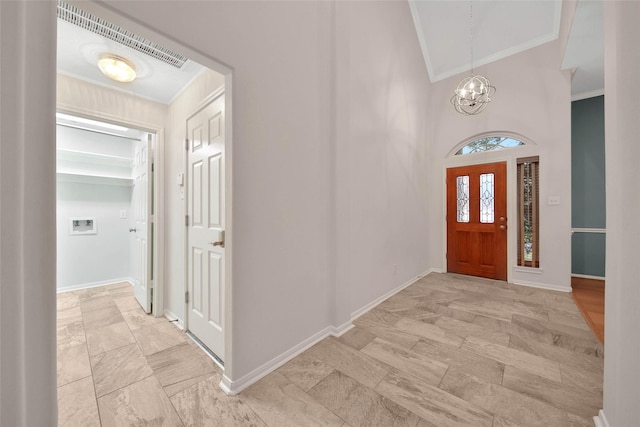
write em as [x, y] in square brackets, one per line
[206, 349]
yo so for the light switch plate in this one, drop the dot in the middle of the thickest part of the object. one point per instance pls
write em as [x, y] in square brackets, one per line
[123, 214]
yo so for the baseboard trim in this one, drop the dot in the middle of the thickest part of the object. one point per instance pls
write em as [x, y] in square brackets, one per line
[234, 387]
[94, 284]
[601, 420]
[587, 283]
[173, 318]
[586, 276]
[389, 294]
[542, 285]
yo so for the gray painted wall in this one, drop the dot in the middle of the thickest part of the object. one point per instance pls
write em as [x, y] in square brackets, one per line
[588, 185]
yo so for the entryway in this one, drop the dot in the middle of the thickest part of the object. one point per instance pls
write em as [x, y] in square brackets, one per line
[477, 220]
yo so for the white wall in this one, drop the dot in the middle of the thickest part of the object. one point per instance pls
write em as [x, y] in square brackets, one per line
[178, 111]
[281, 148]
[622, 293]
[27, 214]
[92, 258]
[533, 99]
[311, 185]
[382, 178]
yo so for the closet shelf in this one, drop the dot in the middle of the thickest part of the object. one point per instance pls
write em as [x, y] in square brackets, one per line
[93, 158]
[94, 179]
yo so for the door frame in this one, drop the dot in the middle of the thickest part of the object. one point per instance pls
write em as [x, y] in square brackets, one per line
[508, 155]
[104, 11]
[158, 191]
[227, 208]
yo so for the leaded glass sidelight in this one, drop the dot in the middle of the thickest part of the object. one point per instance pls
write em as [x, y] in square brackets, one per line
[528, 175]
[462, 186]
[487, 198]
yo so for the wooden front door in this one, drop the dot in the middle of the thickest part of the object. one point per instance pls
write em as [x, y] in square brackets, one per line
[477, 220]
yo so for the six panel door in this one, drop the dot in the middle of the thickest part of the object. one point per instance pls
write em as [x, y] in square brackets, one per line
[206, 223]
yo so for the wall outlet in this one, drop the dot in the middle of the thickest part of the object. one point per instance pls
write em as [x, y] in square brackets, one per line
[123, 214]
[395, 268]
[553, 200]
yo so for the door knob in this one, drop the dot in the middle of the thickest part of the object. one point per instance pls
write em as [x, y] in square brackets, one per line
[132, 230]
[502, 227]
[502, 219]
[219, 242]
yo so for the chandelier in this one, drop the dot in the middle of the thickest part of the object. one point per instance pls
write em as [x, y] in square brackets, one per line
[474, 92]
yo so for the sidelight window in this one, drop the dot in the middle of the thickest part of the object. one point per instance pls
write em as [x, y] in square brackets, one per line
[528, 175]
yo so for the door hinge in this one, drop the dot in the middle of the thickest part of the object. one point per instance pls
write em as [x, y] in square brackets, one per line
[186, 144]
[186, 297]
[186, 220]
[151, 167]
[446, 255]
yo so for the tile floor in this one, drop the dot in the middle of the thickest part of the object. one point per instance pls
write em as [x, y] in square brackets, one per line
[447, 351]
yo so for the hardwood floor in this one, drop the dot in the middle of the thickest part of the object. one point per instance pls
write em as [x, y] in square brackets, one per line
[448, 350]
[589, 297]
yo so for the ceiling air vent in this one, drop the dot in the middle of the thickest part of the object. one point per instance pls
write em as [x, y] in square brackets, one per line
[103, 28]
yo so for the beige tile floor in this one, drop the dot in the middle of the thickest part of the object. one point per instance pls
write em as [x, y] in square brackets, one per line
[447, 351]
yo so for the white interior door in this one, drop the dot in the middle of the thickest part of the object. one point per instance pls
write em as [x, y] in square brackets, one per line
[141, 228]
[205, 226]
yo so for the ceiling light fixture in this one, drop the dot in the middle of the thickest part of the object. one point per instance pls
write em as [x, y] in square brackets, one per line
[117, 68]
[473, 93]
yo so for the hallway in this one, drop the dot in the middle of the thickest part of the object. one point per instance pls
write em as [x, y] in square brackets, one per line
[447, 351]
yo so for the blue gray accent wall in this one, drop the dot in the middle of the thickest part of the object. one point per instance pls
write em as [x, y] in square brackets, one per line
[588, 254]
[588, 204]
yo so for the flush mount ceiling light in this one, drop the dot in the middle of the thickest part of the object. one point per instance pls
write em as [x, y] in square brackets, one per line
[117, 68]
[473, 93]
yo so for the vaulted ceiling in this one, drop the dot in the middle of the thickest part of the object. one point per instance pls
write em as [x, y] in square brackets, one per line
[450, 32]
[499, 28]
[585, 50]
